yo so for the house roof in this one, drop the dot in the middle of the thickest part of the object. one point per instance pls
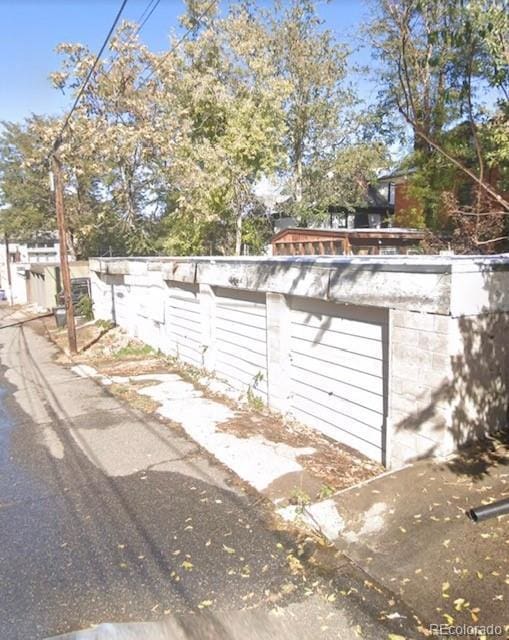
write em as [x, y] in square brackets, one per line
[373, 202]
[398, 175]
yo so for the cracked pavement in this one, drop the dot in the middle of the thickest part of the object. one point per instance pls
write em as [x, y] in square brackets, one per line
[109, 515]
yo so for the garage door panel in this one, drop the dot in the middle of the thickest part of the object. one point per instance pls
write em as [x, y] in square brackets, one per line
[242, 317]
[343, 406]
[250, 341]
[345, 359]
[183, 313]
[338, 368]
[330, 374]
[184, 322]
[356, 395]
[230, 325]
[342, 422]
[233, 369]
[356, 344]
[347, 436]
[246, 352]
[369, 327]
[241, 340]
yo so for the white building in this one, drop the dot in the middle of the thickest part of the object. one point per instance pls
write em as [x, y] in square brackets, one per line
[20, 256]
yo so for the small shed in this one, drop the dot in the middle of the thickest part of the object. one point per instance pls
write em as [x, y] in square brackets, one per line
[303, 241]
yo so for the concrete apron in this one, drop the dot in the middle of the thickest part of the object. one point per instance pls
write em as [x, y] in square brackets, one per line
[272, 468]
[407, 529]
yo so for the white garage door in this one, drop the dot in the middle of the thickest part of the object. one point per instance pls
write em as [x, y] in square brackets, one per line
[184, 324]
[338, 356]
[241, 340]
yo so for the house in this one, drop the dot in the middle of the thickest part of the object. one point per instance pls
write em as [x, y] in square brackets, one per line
[369, 241]
[16, 257]
[396, 184]
[375, 212]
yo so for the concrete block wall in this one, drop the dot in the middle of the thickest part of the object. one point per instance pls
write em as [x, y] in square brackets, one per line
[445, 327]
[420, 374]
[449, 380]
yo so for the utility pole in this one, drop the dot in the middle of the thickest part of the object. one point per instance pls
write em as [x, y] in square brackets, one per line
[64, 261]
[8, 268]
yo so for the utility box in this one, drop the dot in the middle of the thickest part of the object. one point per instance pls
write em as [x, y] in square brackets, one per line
[60, 316]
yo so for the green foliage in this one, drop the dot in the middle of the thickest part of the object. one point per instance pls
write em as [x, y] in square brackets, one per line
[85, 307]
[300, 498]
[104, 324]
[165, 151]
[24, 178]
[437, 59]
[133, 350]
[254, 401]
[256, 233]
[326, 491]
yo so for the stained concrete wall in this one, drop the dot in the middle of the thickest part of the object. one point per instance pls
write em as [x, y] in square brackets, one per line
[444, 328]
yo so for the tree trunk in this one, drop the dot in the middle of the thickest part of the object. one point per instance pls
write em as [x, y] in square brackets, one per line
[298, 179]
[238, 234]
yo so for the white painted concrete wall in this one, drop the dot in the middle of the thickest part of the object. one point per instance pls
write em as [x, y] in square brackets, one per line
[399, 358]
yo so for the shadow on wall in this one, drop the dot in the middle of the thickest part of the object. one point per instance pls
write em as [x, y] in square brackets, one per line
[474, 402]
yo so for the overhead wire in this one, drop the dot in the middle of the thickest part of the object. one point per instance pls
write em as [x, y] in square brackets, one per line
[144, 17]
[180, 41]
[141, 22]
[58, 140]
[165, 56]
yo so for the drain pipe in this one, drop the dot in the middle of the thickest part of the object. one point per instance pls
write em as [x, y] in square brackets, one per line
[499, 508]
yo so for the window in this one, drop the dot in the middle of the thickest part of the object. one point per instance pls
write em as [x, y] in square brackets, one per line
[391, 193]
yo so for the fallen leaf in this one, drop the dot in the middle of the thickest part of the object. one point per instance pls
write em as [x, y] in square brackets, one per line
[229, 550]
[205, 603]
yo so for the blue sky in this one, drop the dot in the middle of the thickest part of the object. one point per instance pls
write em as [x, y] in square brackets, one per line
[30, 30]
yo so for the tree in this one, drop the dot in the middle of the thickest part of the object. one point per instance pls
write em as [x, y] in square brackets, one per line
[230, 124]
[109, 152]
[435, 59]
[330, 155]
[25, 196]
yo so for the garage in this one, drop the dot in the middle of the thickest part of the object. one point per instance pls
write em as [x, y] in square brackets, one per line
[184, 323]
[338, 385]
[241, 340]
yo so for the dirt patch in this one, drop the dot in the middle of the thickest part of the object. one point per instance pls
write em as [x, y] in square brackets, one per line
[130, 395]
[131, 367]
[333, 465]
[86, 335]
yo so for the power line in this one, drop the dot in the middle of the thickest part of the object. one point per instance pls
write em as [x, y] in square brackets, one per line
[168, 53]
[141, 22]
[145, 11]
[154, 69]
[181, 40]
[89, 75]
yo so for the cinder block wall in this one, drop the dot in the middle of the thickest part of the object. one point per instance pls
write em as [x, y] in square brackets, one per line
[449, 381]
[420, 372]
[445, 347]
